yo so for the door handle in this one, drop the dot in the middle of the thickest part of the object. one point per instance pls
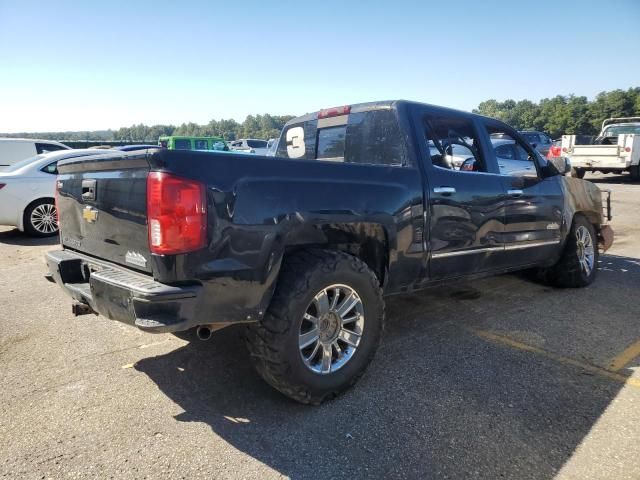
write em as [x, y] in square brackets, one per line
[444, 190]
[515, 193]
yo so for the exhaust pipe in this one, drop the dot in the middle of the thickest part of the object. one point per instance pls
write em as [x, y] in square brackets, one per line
[204, 332]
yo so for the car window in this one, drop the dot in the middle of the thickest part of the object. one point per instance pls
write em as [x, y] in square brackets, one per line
[531, 137]
[52, 168]
[505, 151]
[257, 143]
[372, 137]
[201, 145]
[182, 144]
[453, 143]
[513, 157]
[48, 147]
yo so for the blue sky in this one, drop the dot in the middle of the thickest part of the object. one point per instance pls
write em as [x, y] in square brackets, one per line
[92, 65]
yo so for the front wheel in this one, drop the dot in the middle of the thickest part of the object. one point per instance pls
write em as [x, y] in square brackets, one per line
[41, 219]
[322, 328]
[578, 265]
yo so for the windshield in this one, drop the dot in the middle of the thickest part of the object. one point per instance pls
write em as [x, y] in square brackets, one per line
[22, 163]
[616, 130]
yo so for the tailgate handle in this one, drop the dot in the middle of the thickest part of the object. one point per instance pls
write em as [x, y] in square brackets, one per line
[88, 189]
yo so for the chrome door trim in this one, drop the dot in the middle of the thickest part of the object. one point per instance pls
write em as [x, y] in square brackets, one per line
[520, 246]
[458, 253]
[512, 246]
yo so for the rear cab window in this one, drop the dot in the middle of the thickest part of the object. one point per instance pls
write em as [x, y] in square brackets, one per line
[370, 137]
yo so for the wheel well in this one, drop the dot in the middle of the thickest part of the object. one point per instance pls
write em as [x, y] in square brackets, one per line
[592, 217]
[367, 241]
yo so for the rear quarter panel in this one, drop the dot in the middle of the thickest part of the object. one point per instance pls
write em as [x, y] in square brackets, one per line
[262, 206]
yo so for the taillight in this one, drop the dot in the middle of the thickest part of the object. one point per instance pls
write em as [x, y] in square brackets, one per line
[176, 214]
[334, 112]
[627, 149]
[554, 151]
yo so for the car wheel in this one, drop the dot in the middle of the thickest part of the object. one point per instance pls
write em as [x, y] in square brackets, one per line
[579, 262]
[635, 172]
[578, 172]
[322, 328]
[41, 219]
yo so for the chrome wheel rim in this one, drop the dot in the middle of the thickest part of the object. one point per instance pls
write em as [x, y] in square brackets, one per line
[586, 250]
[331, 329]
[44, 219]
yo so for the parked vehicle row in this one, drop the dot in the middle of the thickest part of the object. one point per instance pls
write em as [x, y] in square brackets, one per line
[13, 150]
[615, 150]
[27, 192]
[360, 201]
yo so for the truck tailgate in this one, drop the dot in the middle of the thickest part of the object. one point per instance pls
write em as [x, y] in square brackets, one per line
[595, 151]
[103, 208]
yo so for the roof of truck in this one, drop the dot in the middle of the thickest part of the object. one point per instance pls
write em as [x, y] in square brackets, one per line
[380, 105]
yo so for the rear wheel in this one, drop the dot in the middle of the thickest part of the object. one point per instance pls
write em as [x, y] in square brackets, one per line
[578, 265]
[578, 172]
[635, 172]
[322, 328]
[41, 219]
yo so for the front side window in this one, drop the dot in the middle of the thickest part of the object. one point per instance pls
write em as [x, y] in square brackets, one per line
[453, 143]
[513, 157]
[182, 144]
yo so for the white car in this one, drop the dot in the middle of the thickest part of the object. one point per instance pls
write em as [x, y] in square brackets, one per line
[13, 150]
[249, 145]
[27, 191]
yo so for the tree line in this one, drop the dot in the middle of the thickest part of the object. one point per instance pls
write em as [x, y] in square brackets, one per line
[562, 114]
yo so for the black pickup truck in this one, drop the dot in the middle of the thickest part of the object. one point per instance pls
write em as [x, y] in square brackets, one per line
[359, 202]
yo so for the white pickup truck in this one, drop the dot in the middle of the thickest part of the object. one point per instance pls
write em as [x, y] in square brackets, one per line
[615, 150]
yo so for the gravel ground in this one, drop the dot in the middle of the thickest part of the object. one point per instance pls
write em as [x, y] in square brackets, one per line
[501, 378]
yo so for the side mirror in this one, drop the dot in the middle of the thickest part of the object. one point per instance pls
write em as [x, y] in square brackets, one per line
[469, 165]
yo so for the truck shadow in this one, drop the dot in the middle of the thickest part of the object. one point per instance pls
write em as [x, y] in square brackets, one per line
[436, 402]
[16, 237]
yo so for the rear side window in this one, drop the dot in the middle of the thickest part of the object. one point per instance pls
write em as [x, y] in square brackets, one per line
[372, 137]
[182, 144]
[47, 147]
[52, 168]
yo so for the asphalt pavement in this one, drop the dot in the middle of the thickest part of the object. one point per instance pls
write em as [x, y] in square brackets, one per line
[499, 378]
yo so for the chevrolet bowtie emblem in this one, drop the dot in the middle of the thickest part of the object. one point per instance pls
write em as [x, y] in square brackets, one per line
[90, 214]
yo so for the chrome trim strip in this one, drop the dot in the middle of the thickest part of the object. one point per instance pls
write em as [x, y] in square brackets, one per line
[458, 253]
[513, 246]
[520, 246]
